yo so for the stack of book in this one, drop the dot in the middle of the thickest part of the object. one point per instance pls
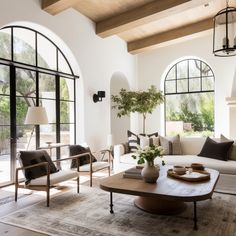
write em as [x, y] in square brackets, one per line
[133, 173]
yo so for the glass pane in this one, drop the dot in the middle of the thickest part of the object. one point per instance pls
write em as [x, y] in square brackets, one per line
[206, 70]
[22, 104]
[26, 139]
[5, 164]
[26, 83]
[194, 68]
[67, 133]
[50, 106]
[5, 43]
[47, 86]
[171, 74]
[182, 85]
[46, 53]
[63, 65]
[67, 112]
[48, 134]
[182, 69]
[207, 83]
[190, 114]
[66, 89]
[24, 46]
[4, 110]
[194, 84]
[4, 80]
[170, 86]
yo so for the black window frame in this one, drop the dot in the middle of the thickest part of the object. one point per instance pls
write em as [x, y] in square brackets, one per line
[13, 65]
[188, 78]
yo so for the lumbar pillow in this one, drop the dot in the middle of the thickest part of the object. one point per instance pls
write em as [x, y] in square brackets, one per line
[215, 150]
[232, 151]
[133, 141]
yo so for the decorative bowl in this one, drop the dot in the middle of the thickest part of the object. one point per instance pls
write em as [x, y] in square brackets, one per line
[197, 166]
[180, 170]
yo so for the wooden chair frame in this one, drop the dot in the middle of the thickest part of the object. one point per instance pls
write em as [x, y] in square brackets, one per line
[48, 185]
[91, 165]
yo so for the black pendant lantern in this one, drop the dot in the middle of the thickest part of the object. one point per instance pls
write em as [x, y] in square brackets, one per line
[224, 37]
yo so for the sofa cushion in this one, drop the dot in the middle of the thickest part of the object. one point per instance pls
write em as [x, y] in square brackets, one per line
[224, 167]
[55, 178]
[215, 150]
[232, 151]
[147, 141]
[176, 146]
[166, 144]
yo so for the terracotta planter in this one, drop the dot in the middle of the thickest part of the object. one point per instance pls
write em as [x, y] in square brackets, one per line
[150, 173]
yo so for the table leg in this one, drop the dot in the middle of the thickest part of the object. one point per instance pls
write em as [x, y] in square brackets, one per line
[111, 204]
[195, 216]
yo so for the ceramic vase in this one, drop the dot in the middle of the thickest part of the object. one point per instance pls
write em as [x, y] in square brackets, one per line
[150, 173]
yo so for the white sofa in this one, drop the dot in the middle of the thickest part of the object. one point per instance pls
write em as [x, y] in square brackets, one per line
[190, 148]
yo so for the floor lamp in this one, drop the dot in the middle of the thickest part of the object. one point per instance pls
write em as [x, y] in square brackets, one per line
[35, 116]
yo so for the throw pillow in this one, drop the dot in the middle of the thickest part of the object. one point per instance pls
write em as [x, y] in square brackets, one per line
[166, 145]
[232, 151]
[133, 141]
[215, 150]
[78, 149]
[176, 146]
[27, 158]
[171, 145]
[146, 141]
[149, 139]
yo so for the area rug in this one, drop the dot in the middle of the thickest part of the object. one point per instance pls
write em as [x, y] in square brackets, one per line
[7, 197]
[87, 214]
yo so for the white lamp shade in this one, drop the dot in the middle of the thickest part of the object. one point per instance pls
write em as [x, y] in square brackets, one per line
[36, 116]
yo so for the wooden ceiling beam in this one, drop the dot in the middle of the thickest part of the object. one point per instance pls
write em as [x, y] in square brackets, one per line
[147, 13]
[154, 41]
[54, 7]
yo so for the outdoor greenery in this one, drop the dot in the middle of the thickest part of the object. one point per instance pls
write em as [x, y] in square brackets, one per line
[196, 109]
[143, 102]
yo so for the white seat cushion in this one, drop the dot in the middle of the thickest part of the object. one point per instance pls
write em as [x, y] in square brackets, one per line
[55, 178]
[224, 167]
[98, 165]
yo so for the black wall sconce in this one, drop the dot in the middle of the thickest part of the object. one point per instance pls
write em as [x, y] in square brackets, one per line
[98, 97]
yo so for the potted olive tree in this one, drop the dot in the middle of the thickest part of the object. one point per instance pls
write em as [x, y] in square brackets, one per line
[143, 102]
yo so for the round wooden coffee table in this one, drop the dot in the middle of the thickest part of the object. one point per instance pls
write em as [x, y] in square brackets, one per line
[167, 196]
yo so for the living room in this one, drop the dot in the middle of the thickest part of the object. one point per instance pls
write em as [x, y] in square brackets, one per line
[108, 61]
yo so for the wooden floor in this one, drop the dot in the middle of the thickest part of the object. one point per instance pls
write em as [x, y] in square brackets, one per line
[30, 199]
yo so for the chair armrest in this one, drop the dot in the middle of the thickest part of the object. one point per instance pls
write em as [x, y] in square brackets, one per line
[32, 166]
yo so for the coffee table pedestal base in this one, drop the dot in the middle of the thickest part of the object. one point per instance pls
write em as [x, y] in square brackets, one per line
[159, 206]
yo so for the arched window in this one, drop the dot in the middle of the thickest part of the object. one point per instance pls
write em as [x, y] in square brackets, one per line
[189, 99]
[33, 72]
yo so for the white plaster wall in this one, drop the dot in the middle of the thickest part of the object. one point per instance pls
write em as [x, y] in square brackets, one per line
[93, 58]
[152, 66]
